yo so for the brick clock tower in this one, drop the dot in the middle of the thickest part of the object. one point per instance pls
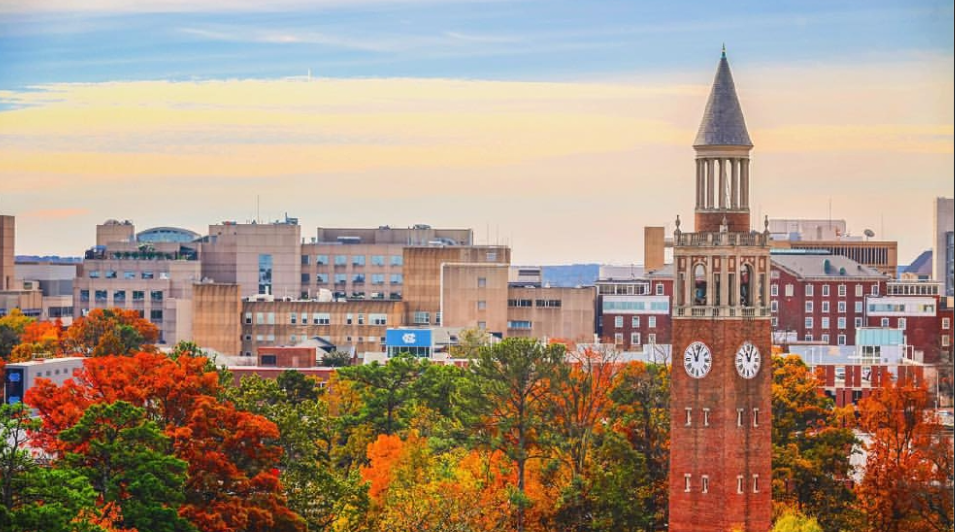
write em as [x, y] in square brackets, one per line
[720, 398]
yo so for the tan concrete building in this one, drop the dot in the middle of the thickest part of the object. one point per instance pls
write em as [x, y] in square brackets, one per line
[352, 326]
[114, 232]
[473, 296]
[566, 313]
[879, 254]
[260, 258]
[8, 235]
[217, 317]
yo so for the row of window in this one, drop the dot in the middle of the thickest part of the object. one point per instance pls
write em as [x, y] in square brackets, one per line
[706, 417]
[356, 278]
[113, 274]
[296, 338]
[810, 290]
[317, 318]
[610, 306]
[634, 338]
[634, 322]
[119, 296]
[902, 307]
[526, 303]
[423, 318]
[630, 289]
[825, 307]
[705, 484]
[356, 260]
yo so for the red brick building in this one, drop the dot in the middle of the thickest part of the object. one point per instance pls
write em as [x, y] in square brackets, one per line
[818, 297]
[720, 392]
[633, 313]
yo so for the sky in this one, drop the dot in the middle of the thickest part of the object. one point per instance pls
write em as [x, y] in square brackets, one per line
[561, 128]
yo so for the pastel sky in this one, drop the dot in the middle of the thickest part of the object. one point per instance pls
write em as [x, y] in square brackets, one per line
[559, 127]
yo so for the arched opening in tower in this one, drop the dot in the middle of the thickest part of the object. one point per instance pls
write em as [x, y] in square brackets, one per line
[699, 286]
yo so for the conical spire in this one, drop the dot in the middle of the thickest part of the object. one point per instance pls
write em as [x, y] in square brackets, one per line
[723, 123]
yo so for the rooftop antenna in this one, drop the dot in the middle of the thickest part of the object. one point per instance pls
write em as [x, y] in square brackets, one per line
[258, 217]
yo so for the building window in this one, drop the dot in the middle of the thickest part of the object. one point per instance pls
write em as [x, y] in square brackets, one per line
[304, 260]
[139, 295]
[358, 260]
[377, 278]
[100, 296]
[518, 303]
[739, 417]
[755, 483]
[618, 338]
[341, 260]
[397, 278]
[774, 290]
[841, 322]
[523, 325]
[129, 275]
[304, 318]
[341, 278]
[618, 322]
[482, 325]
[482, 282]
[94, 274]
[858, 307]
[946, 340]
[268, 360]
[789, 290]
[842, 290]
[321, 318]
[321, 278]
[358, 278]
[825, 322]
[808, 324]
[706, 484]
[885, 322]
[775, 322]
[689, 417]
[634, 322]
[901, 323]
[824, 338]
[659, 289]
[293, 318]
[265, 274]
[841, 339]
[809, 290]
[422, 318]
[858, 323]
[634, 338]
[875, 289]
[686, 482]
[147, 275]
[155, 295]
[361, 319]
[349, 318]
[946, 323]
[808, 337]
[482, 305]
[321, 260]
[397, 260]
[155, 315]
[825, 290]
[755, 417]
[706, 417]
[651, 338]
[774, 306]
[378, 319]
[842, 307]
[377, 260]
[825, 306]
[859, 290]
[305, 277]
[652, 322]
[808, 306]
[739, 484]
[491, 256]
[248, 318]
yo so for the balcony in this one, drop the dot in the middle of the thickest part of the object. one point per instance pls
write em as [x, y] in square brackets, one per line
[722, 312]
[711, 239]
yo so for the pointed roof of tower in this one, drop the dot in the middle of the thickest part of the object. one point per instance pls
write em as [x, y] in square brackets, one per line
[723, 123]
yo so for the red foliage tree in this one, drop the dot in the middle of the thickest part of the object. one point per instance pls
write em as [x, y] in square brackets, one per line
[111, 332]
[231, 484]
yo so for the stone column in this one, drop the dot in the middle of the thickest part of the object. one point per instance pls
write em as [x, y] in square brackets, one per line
[744, 185]
[709, 277]
[699, 184]
[722, 191]
[734, 182]
[710, 174]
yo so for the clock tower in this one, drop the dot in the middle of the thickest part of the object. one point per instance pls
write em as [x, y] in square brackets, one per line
[720, 398]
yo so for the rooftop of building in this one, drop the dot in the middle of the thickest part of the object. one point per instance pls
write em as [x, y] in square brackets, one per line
[817, 266]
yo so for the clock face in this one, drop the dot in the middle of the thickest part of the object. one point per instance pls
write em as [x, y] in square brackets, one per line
[747, 361]
[697, 360]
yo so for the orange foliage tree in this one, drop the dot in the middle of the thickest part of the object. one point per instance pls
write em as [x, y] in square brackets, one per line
[908, 476]
[111, 332]
[231, 480]
[40, 339]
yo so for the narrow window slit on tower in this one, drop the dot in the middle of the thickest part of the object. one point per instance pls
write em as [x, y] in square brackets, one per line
[739, 417]
[739, 483]
[706, 484]
[706, 417]
[686, 482]
[755, 417]
[689, 417]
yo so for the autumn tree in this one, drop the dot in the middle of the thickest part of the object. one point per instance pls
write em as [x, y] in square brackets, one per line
[513, 378]
[811, 448]
[111, 332]
[231, 481]
[641, 416]
[40, 339]
[908, 478]
[11, 327]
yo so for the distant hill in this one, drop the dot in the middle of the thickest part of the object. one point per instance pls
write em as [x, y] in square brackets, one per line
[48, 258]
[571, 275]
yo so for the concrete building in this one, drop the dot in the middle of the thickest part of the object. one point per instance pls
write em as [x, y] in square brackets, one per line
[876, 254]
[914, 308]
[8, 240]
[21, 376]
[55, 281]
[260, 258]
[808, 230]
[634, 310]
[943, 247]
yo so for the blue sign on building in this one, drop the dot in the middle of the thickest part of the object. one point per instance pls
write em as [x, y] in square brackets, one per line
[408, 338]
